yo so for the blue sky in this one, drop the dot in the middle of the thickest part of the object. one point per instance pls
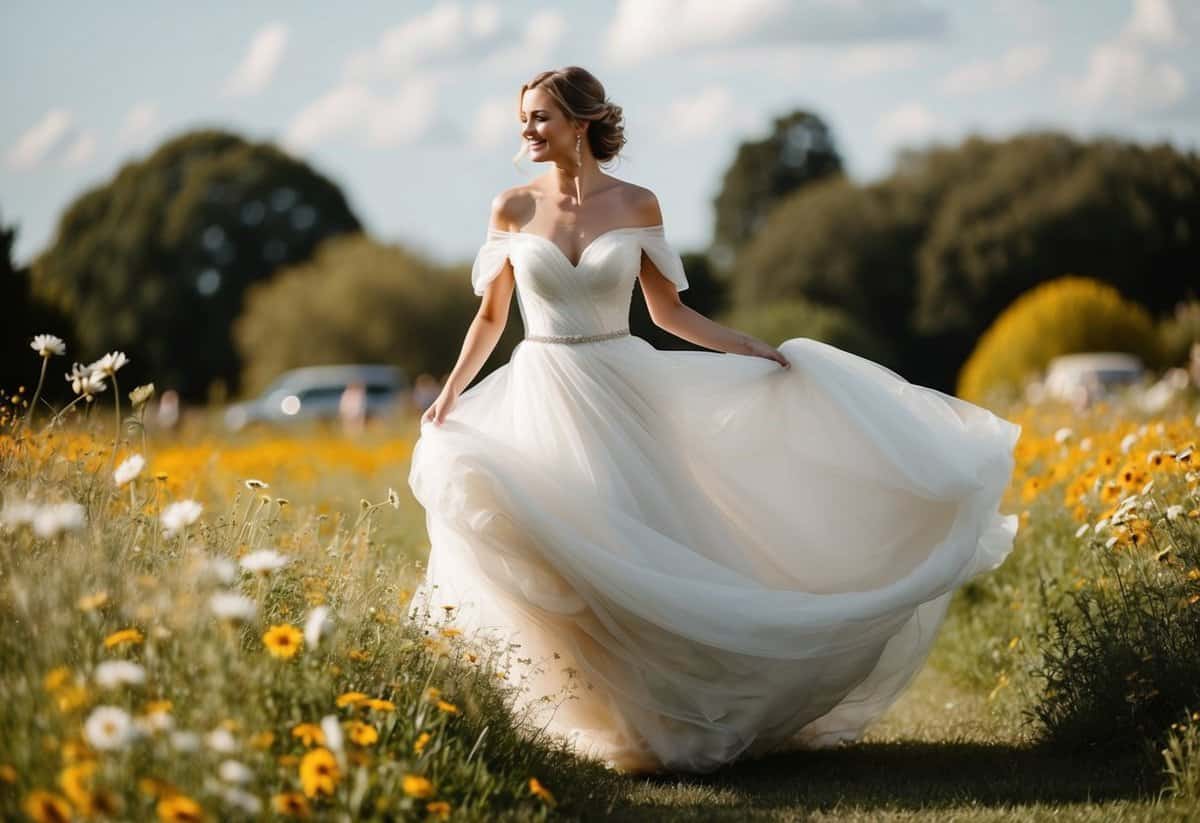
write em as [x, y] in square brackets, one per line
[410, 106]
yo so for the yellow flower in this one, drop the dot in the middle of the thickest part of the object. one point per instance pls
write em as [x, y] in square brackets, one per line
[91, 602]
[439, 809]
[310, 734]
[283, 641]
[76, 782]
[433, 693]
[132, 636]
[71, 698]
[7, 773]
[448, 708]
[319, 772]
[538, 790]
[47, 807]
[416, 786]
[380, 705]
[450, 631]
[178, 808]
[351, 698]
[262, 740]
[291, 804]
[56, 678]
[362, 734]
[157, 707]
[421, 742]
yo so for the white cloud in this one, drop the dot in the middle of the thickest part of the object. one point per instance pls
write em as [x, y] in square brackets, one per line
[81, 151]
[445, 32]
[259, 63]
[1153, 22]
[495, 122]
[39, 140]
[642, 29]
[1015, 65]
[906, 124]
[140, 123]
[1121, 76]
[381, 120]
[698, 115]
[537, 43]
[875, 58]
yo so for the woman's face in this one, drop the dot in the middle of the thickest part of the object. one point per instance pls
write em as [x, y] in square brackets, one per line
[544, 128]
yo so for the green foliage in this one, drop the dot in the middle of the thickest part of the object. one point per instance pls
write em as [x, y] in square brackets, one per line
[155, 261]
[1070, 314]
[1179, 332]
[929, 257]
[359, 301]
[784, 319]
[24, 316]
[799, 151]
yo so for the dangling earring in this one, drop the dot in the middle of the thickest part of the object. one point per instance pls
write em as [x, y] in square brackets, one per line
[578, 151]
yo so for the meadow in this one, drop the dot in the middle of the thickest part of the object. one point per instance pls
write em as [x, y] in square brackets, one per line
[205, 626]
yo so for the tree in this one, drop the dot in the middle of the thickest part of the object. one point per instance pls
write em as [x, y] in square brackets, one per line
[155, 262]
[800, 150]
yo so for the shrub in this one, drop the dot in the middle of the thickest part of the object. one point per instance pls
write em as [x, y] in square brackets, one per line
[1179, 332]
[780, 320]
[1070, 314]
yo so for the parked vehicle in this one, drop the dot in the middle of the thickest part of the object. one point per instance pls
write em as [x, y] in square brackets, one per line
[320, 392]
[1082, 378]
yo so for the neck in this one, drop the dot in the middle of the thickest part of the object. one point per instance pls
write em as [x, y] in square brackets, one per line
[570, 180]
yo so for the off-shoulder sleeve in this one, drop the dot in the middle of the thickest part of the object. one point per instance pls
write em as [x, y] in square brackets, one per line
[490, 260]
[663, 256]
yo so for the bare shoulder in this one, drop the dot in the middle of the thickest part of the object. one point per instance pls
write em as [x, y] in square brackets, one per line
[513, 207]
[642, 205]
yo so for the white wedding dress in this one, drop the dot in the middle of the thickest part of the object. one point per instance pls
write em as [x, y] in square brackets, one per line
[722, 556]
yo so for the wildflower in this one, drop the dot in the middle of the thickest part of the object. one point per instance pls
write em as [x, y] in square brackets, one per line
[451, 631]
[232, 606]
[362, 734]
[141, 394]
[317, 624]
[185, 741]
[291, 804]
[130, 468]
[53, 518]
[47, 807]
[448, 708]
[264, 561]
[332, 732]
[91, 602]
[241, 800]
[1173, 512]
[1063, 435]
[123, 637]
[157, 718]
[416, 786]
[8, 774]
[1184, 456]
[350, 699]
[232, 771]
[1127, 442]
[319, 772]
[84, 381]
[47, 345]
[1082, 530]
[421, 742]
[393, 499]
[76, 782]
[310, 734]
[253, 484]
[179, 808]
[108, 727]
[439, 809]
[379, 705]
[540, 791]
[109, 364]
[262, 741]
[179, 515]
[221, 740]
[113, 673]
[283, 641]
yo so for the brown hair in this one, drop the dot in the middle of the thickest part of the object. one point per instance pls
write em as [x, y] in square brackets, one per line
[580, 96]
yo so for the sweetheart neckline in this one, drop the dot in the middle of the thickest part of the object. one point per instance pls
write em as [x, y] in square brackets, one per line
[586, 249]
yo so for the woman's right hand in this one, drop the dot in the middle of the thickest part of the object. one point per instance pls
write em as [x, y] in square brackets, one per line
[438, 410]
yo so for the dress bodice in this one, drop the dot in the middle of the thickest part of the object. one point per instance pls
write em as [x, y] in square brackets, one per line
[590, 297]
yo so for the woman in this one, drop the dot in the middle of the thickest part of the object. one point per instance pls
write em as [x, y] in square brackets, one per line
[716, 553]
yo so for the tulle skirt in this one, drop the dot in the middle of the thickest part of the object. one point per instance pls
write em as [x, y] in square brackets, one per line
[716, 556]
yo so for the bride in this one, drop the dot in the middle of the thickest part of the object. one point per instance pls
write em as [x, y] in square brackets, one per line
[716, 554]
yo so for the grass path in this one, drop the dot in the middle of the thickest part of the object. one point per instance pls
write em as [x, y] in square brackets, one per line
[937, 755]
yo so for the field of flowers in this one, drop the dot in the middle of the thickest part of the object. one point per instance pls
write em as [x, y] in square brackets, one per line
[200, 626]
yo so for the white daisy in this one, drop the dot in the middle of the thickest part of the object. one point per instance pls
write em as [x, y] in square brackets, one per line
[179, 515]
[1127, 442]
[243, 800]
[1063, 435]
[185, 741]
[253, 484]
[109, 363]
[141, 394]
[221, 740]
[53, 518]
[130, 468]
[264, 560]
[232, 606]
[393, 498]
[333, 732]
[317, 624]
[1174, 512]
[231, 771]
[18, 513]
[222, 569]
[1082, 530]
[47, 344]
[108, 728]
[113, 673]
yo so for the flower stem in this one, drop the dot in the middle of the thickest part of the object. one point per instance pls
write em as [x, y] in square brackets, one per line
[37, 393]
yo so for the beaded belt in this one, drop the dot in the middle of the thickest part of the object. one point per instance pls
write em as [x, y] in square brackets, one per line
[576, 338]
